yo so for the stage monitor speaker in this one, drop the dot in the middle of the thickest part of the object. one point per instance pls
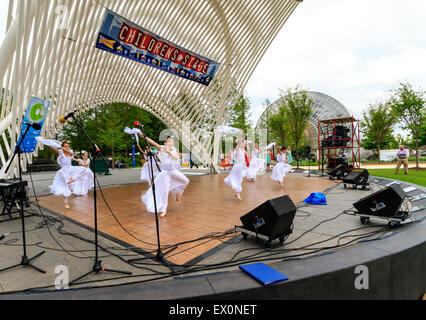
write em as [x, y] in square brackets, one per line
[357, 176]
[272, 219]
[383, 203]
[338, 172]
[334, 162]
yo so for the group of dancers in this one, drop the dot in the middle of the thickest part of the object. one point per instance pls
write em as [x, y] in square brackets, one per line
[162, 167]
[241, 170]
[166, 173]
[77, 180]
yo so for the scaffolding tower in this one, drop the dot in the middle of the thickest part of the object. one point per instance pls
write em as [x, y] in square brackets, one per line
[339, 143]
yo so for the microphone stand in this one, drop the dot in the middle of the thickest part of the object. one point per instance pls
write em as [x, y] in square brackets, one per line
[160, 255]
[97, 267]
[25, 261]
[309, 166]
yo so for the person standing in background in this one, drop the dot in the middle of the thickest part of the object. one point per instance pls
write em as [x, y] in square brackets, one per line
[192, 161]
[289, 156]
[268, 160]
[402, 155]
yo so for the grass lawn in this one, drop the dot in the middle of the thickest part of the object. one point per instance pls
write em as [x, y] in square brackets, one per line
[414, 176]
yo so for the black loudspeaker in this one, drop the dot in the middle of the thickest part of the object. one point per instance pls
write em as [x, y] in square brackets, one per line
[357, 176]
[272, 219]
[334, 162]
[338, 172]
[383, 203]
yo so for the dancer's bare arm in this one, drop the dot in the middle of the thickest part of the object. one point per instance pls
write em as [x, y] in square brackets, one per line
[152, 142]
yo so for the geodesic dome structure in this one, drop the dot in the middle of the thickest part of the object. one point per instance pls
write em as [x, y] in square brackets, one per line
[324, 107]
[50, 52]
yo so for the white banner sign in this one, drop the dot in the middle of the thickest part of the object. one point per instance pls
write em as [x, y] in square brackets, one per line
[388, 155]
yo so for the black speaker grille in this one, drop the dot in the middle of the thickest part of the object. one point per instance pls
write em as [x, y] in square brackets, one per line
[383, 203]
[272, 219]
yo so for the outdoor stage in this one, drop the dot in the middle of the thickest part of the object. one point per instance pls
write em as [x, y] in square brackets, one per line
[319, 257]
[208, 206]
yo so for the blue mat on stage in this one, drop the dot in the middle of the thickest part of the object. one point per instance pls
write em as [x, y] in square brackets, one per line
[263, 273]
[316, 198]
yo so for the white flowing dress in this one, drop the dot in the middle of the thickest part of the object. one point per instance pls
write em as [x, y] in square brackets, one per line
[280, 169]
[60, 186]
[169, 180]
[83, 180]
[238, 172]
[146, 170]
[256, 164]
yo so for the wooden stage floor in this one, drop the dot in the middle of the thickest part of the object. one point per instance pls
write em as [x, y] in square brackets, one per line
[207, 206]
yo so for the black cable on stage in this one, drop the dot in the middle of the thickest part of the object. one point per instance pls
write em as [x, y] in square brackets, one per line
[166, 246]
[46, 222]
[299, 237]
[225, 264]
[116, 219]
[229, 262]
[61, 231]
[293, 257]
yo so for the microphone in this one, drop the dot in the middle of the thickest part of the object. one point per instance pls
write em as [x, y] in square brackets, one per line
[64, 120]
[35, 126]
[138, 125]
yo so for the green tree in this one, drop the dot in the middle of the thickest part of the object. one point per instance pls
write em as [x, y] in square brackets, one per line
[278, 126]
[402, 140]
[297, 108]
[240, 117]
[377, 127]
[408, 105]
[422, 135]
[105, 125]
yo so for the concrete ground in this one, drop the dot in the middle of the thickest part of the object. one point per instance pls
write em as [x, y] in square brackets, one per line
[69, 247]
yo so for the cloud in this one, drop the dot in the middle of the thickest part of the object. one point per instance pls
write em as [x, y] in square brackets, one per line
[354, 51]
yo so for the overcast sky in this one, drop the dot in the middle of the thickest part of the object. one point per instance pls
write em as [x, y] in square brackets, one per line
[352, 50]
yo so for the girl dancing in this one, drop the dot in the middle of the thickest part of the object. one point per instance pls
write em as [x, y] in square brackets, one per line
[170, 179]
[256, 163]
[84, 181]
[282, 167]
[67, 177]
[146, 169]
[239, 169]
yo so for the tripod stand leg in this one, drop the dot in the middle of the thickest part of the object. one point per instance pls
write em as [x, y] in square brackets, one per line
[80, 277]
[26, 262]
[97, 268]
[37, 268]
[117, 271]
[11, 267]
[36, 256]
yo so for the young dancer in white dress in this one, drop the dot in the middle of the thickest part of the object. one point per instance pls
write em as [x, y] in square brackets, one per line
[84, 181]
[68, 176]
[282, 167]
[170, 179]
[239, 169]
[146, 169]
[256, 163]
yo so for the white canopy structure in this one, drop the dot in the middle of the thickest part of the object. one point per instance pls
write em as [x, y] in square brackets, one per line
[49, 52]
